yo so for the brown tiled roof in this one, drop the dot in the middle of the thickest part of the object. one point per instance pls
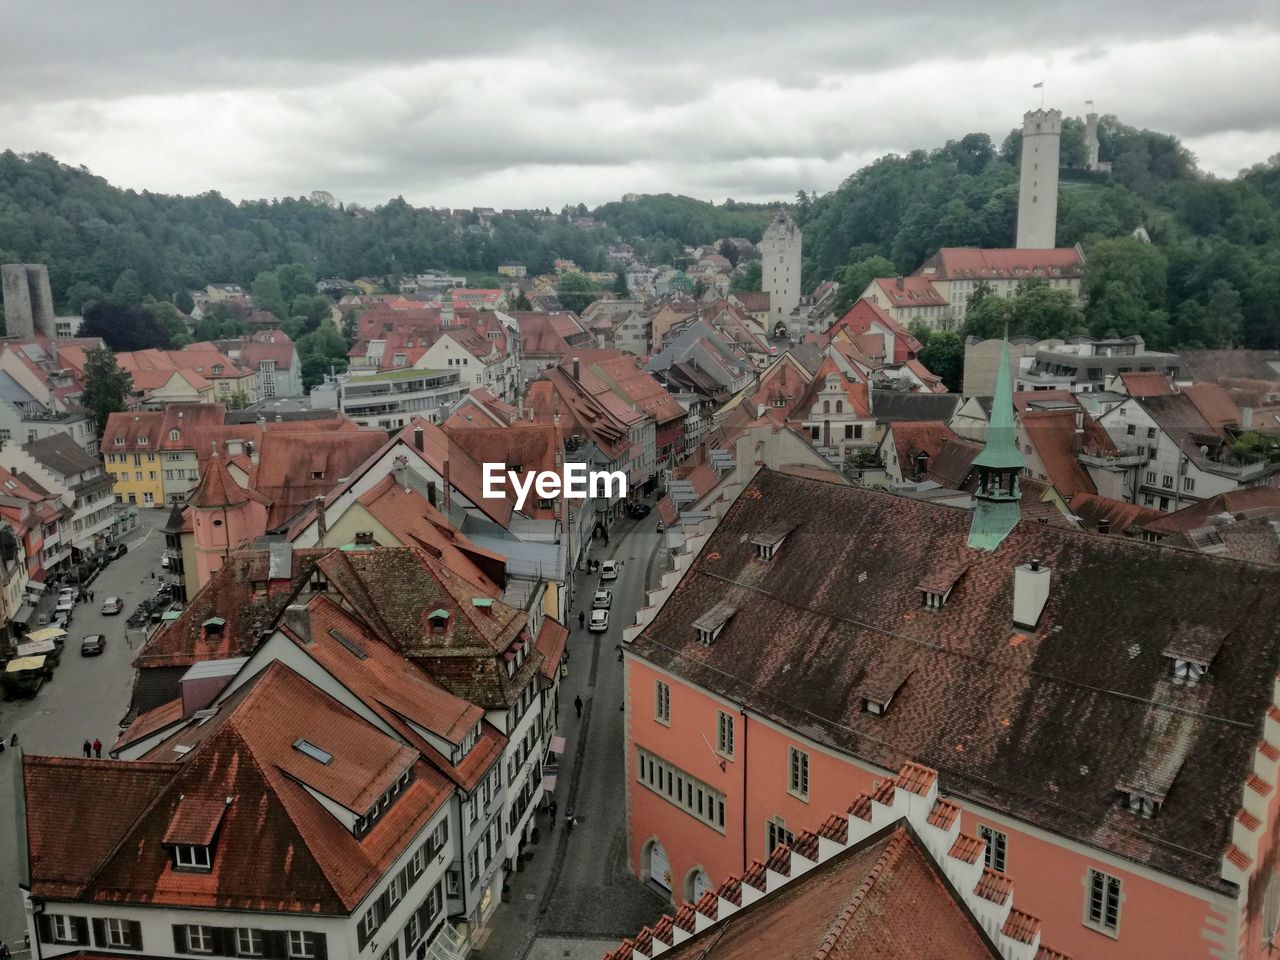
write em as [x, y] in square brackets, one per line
[910, 292]
[881, 898]
[1121, 517]
[1006, 717]
[276, 848]
[911, 437]
[1215, 405]
[1021, 926]
[296, 467]
[964, 263]
[1239, 503]
[241, 595]
[1053, 435]
[1146, 383]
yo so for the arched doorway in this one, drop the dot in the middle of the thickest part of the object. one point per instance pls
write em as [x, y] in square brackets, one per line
[696, 883]
[655, 864]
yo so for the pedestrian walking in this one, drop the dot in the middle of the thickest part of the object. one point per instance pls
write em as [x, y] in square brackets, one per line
[577, 705]
[552, 808]
[582, 619]
[88, 748]
[91, 600]
[569, 821]
[97, 748]
[4, 951]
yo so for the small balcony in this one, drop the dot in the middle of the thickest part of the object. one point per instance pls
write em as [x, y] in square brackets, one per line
[1125, 458]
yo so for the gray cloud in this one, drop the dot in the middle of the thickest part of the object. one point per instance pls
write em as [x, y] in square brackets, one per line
[550, 102]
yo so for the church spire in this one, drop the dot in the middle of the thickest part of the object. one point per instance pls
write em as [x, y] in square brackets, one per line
[997, 510]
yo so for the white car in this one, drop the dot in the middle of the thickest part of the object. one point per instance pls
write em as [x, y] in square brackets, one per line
[599, 621]
[603, 600]
[609, 570]
[67, 595]
[164, 563]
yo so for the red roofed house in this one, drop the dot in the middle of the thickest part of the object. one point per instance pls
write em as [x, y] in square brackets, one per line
[909, 447]
[284, 821]
[911, 300]
[833, 413]
[955, 272]
[630, 381]
[866, 317]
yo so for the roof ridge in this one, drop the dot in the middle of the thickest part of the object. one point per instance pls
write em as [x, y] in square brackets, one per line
[892, 853]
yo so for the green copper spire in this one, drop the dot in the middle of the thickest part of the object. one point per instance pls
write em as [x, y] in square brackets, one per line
[997, 509]
[1001, 450]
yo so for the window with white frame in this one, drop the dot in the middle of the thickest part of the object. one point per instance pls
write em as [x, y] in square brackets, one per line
[199, 938]
[997, 847]
[302, 944]
[248, 942]
[724, 734]
[798, 784]
[776, 832]
[1102, 911]
[661, 702]
[63, 927]
[191, 857]
[698, 799]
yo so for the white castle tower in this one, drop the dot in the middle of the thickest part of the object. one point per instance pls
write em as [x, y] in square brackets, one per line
[780, 265]
[1038, 187]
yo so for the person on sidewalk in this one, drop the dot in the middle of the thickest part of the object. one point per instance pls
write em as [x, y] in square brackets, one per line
[582, 619]
[88, 749]
[97, 748]
[577, 705]
[552, 808]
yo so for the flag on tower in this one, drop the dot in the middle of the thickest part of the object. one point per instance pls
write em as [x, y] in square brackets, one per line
[1036, 86]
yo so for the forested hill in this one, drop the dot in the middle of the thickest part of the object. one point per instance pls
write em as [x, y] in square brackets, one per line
[90, 233]
[1210, 277]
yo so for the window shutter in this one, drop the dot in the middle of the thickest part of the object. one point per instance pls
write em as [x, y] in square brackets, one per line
[224, 941]
[277, 942]
[383, 906]
[322, 948]
[81, 927]
[179, 939]
[134, 930]
[44, 928]
[99, 932]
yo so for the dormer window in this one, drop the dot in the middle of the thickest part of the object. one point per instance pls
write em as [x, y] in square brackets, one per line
[937, 586]
[119, 441]
[174, 435]
[192, 858]
[1143, 805]
[934, 601]
[769, 540]
[217, 369]
[438, 621]
[1192, 649]
[709, 625]
[142, 440]
[317, 474]
[213, 626]
[881, 684]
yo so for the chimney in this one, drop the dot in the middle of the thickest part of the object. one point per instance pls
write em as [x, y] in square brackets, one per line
[1030, 593]
[298, 619]
[279, 418]
[417, 439]
[1104, 525]
[262, 421]
[575, 368]
[322, 522]
[901, 284]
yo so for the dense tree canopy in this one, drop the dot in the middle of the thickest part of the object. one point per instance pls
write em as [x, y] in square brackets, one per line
[106, 387]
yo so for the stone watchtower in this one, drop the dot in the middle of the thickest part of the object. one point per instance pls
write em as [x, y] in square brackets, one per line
[1038, 186]
[780, 266]
[28, 304]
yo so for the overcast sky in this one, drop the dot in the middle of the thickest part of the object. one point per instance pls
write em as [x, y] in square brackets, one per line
[542, 102]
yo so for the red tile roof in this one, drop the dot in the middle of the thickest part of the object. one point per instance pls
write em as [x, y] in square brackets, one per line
[1215, 405]
[1053, 435]
[884, 897]
[865, 317]
[1121, 517]
[974, 263]
[1239, 503]
[1145, 383]
[296, 467]
[911, 437]
[641, 388]
[910, 292]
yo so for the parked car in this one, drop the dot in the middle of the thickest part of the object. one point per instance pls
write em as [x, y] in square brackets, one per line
[117, 551]
[609, 570]
[93, 645]
[603, 600]
[60, 620]
[112, 605]
[599, 621]
[639, 510]
[68, 595]
[164, 563]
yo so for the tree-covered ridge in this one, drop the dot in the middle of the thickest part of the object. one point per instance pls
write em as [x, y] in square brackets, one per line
[90, 233]
[1209, 278]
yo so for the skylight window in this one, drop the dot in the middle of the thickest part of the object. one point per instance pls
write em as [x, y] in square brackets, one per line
[311, 750]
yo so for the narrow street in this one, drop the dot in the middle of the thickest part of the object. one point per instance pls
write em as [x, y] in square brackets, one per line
[86, 697]
[576, 898]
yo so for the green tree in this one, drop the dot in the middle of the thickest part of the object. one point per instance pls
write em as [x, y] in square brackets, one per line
[183, 301]
[521, 302]
[620, 286]
[575, 292]
[127, 288]
[268, 294]
[748, 280]
[106, 387]
[857, 276]
[125, 326]
[1254, 447]
[943, 354]
[296, 280]
[167, 314]
[1125, 289]
[1043, 312]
